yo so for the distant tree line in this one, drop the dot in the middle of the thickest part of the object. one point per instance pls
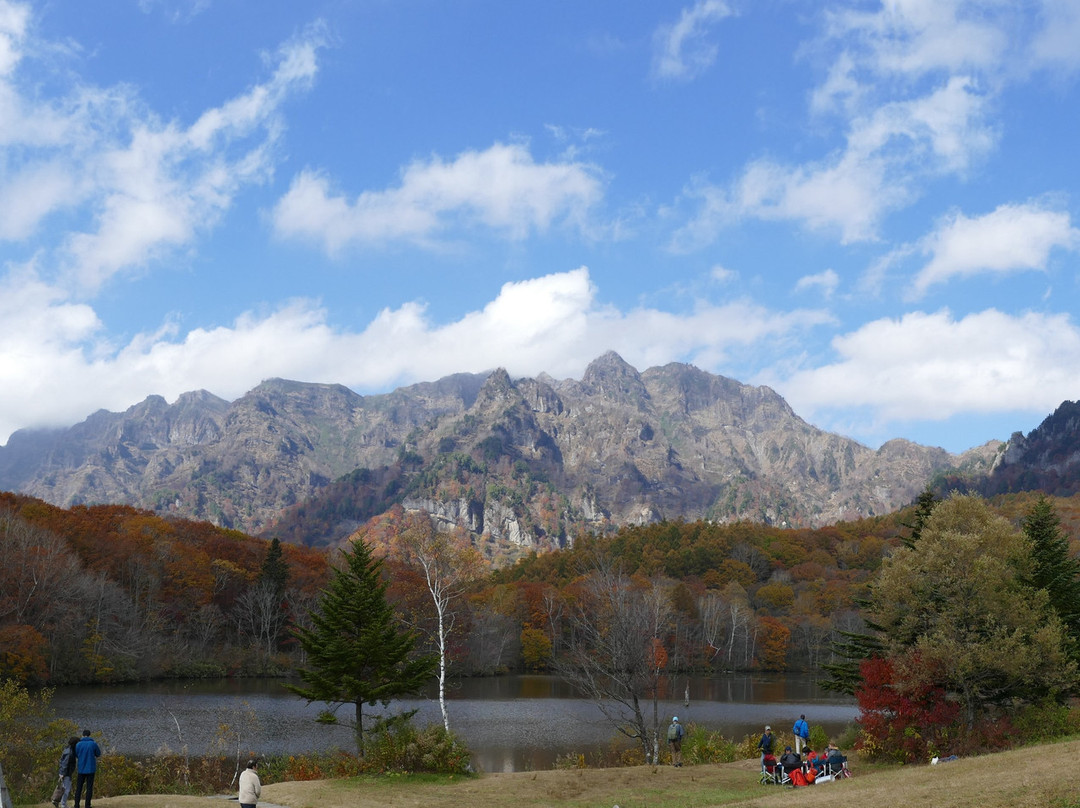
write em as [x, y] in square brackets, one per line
[112, 593]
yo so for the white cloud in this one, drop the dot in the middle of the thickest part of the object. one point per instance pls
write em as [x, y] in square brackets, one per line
[681, 48]
[143, 186]
[826, 281]
[722, 274]
[502, 188]
[166, 183]
[56, 368]
[911, 87]
[176, 11]
[932, 367]
[888, 152]
[916, 37]
[1055, 44]
[1012, 238]
[942, 131]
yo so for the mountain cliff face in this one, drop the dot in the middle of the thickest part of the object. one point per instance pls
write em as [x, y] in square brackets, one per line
[1048, 459]
[524, 463]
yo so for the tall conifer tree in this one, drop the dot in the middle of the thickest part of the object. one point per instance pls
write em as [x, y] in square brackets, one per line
[357, 652]
[1054, 568]
[852, 647]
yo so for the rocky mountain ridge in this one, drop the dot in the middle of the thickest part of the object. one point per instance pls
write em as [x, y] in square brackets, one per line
[524, 463]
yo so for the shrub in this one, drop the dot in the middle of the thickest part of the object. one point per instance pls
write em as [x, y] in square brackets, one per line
[1037, 723]
[33, 739]
[904, 725]
[819, 738]
[402, 747]
[703, 746]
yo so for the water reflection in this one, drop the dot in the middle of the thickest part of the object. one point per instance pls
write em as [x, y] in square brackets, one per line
[512, 723]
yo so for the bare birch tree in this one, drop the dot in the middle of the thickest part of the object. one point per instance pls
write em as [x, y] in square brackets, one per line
[449, 564]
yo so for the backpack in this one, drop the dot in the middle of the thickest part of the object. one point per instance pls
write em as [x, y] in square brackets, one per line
[673, 732]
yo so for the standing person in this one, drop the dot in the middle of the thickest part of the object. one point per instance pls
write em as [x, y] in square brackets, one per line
[250, 787]
[87, 752]
[766, 742]
[802, 734]
[67, 768]
[675, 734]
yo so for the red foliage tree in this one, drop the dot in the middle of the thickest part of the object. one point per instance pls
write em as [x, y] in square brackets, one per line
[906, 724]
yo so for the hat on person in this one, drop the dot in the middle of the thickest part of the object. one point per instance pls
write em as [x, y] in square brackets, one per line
[787, 748]
[768, 728]
[675, 720]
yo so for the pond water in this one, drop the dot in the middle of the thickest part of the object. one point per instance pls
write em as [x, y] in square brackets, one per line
[511, 723]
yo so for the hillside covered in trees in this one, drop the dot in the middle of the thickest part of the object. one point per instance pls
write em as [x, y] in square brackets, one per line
[112, 593]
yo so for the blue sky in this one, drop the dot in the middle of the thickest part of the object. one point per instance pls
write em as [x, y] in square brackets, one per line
[870, 207]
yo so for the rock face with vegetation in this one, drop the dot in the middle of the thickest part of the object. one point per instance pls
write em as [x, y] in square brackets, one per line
[526, 463]
[1048, 459]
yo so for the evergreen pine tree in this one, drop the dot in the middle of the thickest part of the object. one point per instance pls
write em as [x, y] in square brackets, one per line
[924, 506]
[852, 647]
[275, 569]
[357, 653]
[1054, 568]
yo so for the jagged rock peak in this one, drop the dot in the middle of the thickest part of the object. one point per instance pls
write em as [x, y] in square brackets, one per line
[152, 403]
[200, 398]
[1055, 443]
[610, 375]
[498, 386]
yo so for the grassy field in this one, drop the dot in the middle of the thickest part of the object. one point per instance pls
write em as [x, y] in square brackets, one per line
[1034, 777]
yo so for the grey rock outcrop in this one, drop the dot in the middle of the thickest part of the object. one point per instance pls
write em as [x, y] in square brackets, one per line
[524, 463]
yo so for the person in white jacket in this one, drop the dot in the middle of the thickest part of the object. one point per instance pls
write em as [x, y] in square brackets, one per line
[250, 787]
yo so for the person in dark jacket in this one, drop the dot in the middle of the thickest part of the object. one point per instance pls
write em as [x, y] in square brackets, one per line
[766, 742]
[790, 761]
[87, 752]
[67, 768]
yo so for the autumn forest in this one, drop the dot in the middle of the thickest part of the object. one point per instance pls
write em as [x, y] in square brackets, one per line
[109, 593]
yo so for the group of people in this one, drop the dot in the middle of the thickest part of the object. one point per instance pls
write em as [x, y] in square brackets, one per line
[801, 770]
[80, 757]
[79, 760]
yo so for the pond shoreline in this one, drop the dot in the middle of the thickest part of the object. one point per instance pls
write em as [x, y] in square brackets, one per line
[511, 723]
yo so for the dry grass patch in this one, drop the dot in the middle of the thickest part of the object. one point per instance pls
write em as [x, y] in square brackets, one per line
[1035, 777]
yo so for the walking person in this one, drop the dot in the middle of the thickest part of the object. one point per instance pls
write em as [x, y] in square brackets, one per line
[250, 787]
[67, 768]
[675, 735]
[87, 752]
[802, 734]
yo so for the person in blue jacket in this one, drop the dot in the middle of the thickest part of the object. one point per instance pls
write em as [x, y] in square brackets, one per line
[802, 734]
[87, 752]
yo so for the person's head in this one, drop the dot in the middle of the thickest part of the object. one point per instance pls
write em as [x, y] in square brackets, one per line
[802, 717]
[808, 750]
[86, 733]
[768, 728]
[675, 720]
[72, 740]
[252, 764]
[787, 748]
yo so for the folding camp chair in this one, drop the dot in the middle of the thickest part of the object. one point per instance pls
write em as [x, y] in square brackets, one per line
[771, 772]
[835, 769]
